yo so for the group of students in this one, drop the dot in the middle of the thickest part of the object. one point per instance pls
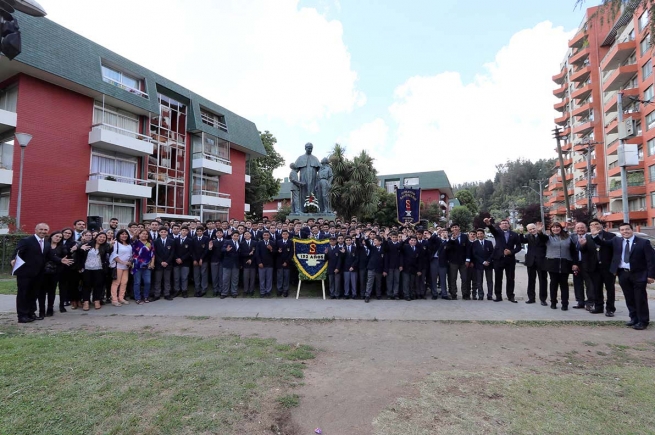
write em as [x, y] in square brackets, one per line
[155, 259]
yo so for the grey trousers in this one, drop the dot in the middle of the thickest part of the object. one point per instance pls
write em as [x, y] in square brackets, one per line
[350, 283]
[373, 278]
[265, 280]
[283, 281]
[453, 268]
[180, 278]
[440, 272]
[393, 282]
[363, 274]
[217, 277]
[410, 281]
[249, 281]
[230, 281]
[166, 275]
[487, 274]
[201, 278]
[334, 282]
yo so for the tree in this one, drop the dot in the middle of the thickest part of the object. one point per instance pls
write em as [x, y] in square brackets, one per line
[581, 215]
[354, 186]
[531, 213]
[478, 221]
[461, 216]
[432, 212]
[283, 212]
[263, 185]
[386, 212]
[467, 199]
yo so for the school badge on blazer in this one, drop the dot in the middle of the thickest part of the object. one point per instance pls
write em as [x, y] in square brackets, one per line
[309, 257]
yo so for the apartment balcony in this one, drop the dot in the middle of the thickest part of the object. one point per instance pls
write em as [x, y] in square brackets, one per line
[117, 186]
[559, 78]
[563, 119]
[207, 197]
[567, 147]
[580, 56]
[582, 110]
[581, 75]
[618, 216]
[612, 126]
[614, 170]
[621, 75]
[636, 188]
[114, 139]
[618, 54]
[566, 131]
[581, 202]
[6, 177]
[579, 39]
[211, 164]
[7, 120]
[559, 92]
[561, 105]
[567, 162]
[582, 92]
[583, 127]
[602, 199]
[582, 164]
[610, 105]
[571, 189]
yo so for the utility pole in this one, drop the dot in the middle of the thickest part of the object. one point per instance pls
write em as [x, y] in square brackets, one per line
[589, 147]
[621, 151]
[542, 183]
[556, 135]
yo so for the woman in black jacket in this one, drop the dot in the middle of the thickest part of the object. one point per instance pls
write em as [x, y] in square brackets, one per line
[51, 276]
[93, 262]
[69, 279]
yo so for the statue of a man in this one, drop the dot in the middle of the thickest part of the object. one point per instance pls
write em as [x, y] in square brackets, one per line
[296, 185]
[308, 165]
[325, 177]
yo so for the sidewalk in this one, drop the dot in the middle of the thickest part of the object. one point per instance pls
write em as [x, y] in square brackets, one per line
[314, 308]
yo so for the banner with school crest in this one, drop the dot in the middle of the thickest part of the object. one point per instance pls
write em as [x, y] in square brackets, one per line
[408, 203]
[309, 256]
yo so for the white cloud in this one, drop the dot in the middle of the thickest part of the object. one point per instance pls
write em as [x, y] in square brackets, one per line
[467, 128]
[262, 59]
[371, 137]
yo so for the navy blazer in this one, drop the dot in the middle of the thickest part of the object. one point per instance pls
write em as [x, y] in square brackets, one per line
[183, 251]
[283, 253]
[335, 259]
[200, 248]
[29, 251]
[411, 259]
[164, 253]
[263, 255]
[642, 257]
[376, 259]
[231, 258]
[248, 253]
[482, 253]
[392, 259]
[536, 255]
[458, 249]
[513, 244]
[216, 254]
[351, 259]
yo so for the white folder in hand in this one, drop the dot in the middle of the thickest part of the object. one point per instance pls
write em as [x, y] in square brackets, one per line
[19, 263]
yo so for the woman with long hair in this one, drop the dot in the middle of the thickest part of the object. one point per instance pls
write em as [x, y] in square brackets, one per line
[560, 258]
[93, 260]
[69, 279]
[51, 276]
[121, 261]
[143, 260]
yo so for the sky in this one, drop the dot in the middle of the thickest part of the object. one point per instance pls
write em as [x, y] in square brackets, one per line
[421, 85]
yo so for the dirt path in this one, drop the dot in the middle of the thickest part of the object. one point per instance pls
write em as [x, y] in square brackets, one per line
[363, 366]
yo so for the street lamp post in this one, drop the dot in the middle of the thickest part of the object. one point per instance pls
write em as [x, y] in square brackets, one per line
[541, 196]
[23, 139]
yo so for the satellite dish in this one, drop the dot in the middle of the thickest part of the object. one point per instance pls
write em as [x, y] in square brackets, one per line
[29, 7]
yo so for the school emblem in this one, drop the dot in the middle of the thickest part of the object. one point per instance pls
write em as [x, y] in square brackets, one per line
[308, 254]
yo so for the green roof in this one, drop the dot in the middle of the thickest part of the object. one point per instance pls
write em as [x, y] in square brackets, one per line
[426, 180]
[52, 48]
[285, 190]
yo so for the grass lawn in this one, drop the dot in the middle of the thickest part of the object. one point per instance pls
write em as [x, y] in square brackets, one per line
[8, 285]
[574, 395]
[141, 383]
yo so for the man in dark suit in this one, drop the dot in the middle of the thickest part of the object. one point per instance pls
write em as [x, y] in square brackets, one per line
[182, 263]
[438, 255]
[283, 261]
[535, 260]
[247, 255]
[164, 258]
[350, 266]
[200, 257]
[374, 268]
[587, 262]
[458, 249]
[603, 276]
[216, 256]
[634, 263]
[265, 259]
[335, 257]
[411, 259]
[392, 249]
[482, 252]
[363, 251]
[231, 262]
[34, 251]
[508, 244]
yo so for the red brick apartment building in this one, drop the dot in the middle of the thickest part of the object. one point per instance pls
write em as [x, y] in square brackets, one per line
[112, 138]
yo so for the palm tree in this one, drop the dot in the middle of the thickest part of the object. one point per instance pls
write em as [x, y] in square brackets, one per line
[354, 185]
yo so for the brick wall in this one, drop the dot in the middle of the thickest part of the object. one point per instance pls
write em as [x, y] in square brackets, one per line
[56, 165]
[235, 184]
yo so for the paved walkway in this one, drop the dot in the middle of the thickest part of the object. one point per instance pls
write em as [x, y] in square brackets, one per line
[313, 308]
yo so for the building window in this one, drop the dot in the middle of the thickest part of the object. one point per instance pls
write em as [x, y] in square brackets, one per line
[213, 120]
[211, 148]
[640, 153]
[650, 120]
[389, 186]
[9, 99]
[5, 193]
[412, 181]
[114, 168]
[643, 20]
[638, 130]
[647, 69]
[119, 121]
[651, 173]
[108, 207]
[205, 184]
[124, 81]
[210, 213]
[651, 147]
[644, 46]
[7, 155]
[648, 93]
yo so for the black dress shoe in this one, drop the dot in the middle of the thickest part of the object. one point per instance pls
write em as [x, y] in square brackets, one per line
[234, 296]
[489, 298]
[223, 296]
[367, 300]
[378, 297]
[609, 313]
[184, 295]
[466, 298]
[498, 299]
[49, 312]
[631, 323]
[513, 300]
[408, 299]
[333, 297]
[640, 326]
[168, 298]
[25, 320]
[565, 307]
[553, 306]
[285, 294]
[39, 317]
[447, 298]
[475, 298]
[453, 297]
[396, 298]
[434, 298]
[544, 303]
[578, 306]
[597, 311]
[62, 309]
[529, 302]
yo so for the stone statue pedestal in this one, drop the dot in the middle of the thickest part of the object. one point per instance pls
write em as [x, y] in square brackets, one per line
[302, 217]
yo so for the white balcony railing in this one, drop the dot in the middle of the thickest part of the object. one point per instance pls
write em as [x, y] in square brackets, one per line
[123, 131]
[125, 87]
[117, 178]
